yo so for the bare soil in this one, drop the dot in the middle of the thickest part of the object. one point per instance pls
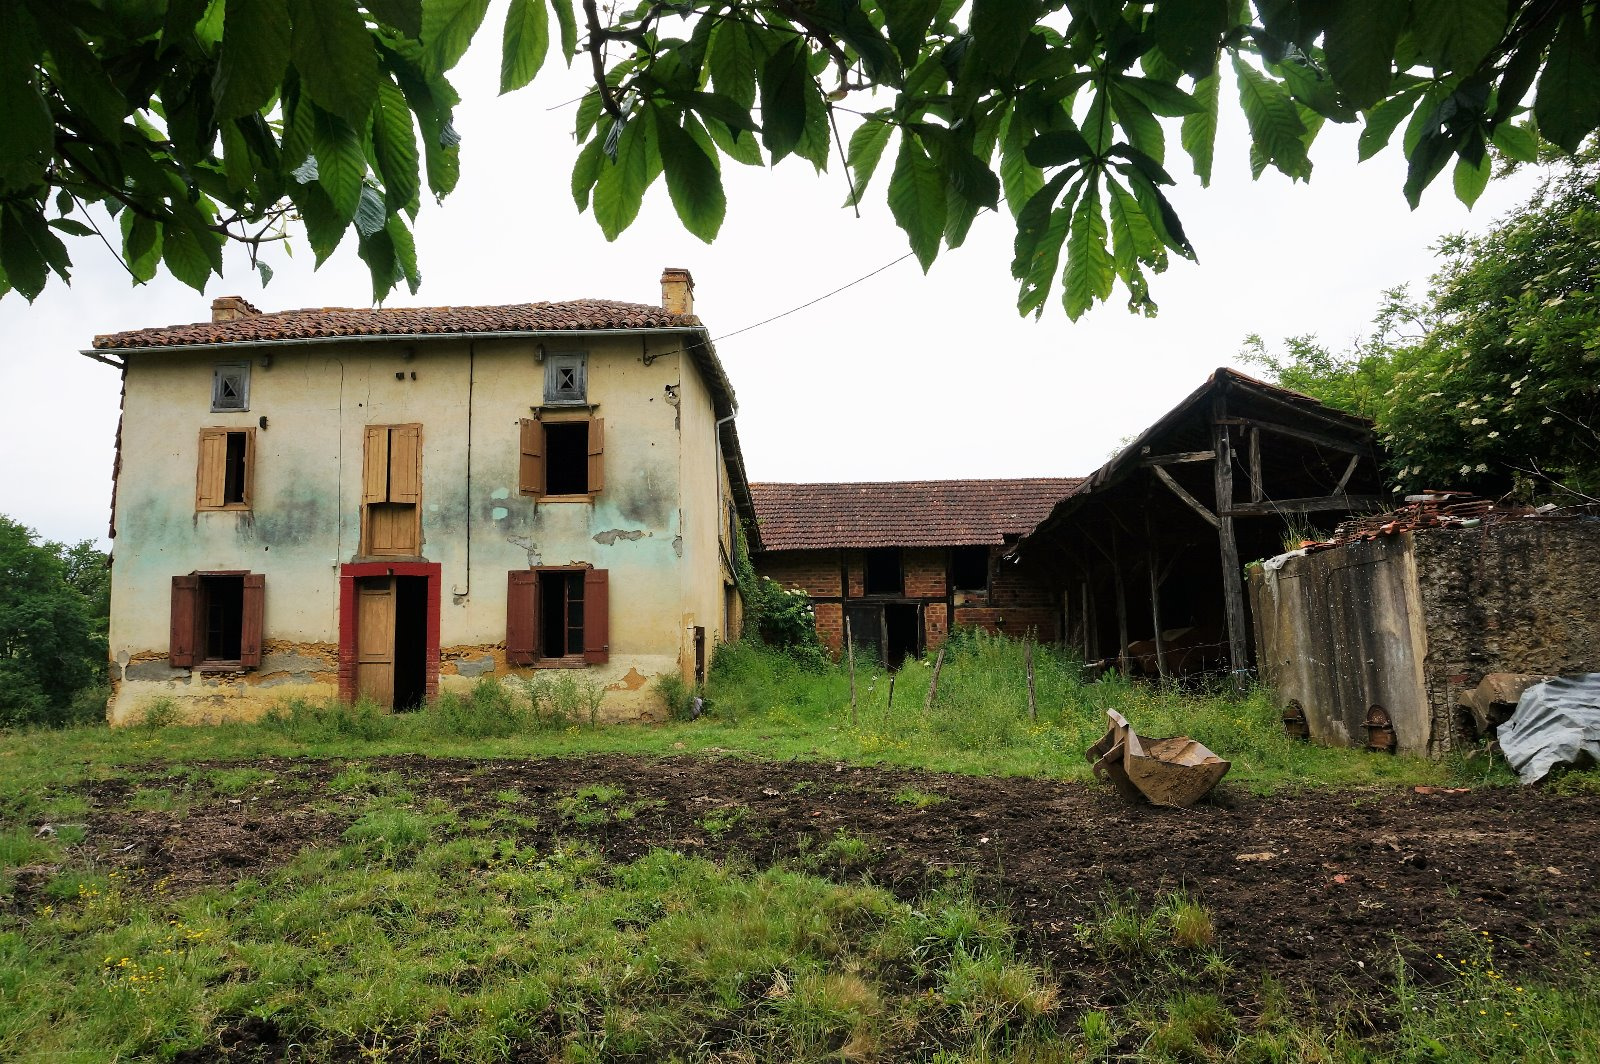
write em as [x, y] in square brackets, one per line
[1314, 888]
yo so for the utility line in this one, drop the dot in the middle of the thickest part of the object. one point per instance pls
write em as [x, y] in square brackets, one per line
[814, 302]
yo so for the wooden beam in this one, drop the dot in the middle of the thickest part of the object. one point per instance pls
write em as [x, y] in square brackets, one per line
[1089, 636]
[1257, 493]
[1177, 489]
[1122, 602]
[1318, 438]
[1355, 460]
[1178, 459]
[1155, 599]
[1232, 575]
[1322, 503]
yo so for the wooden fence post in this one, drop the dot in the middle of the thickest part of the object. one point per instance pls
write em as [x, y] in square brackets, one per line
[1027, 657]
[850, 654]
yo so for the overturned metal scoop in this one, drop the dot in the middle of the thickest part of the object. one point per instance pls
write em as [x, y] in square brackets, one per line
[1173, 772]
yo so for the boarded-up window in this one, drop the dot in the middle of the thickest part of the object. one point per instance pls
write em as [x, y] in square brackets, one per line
[226, 470]
[230, 386]
[563, 458]
[391, 491]
[558, 615]
[217, 620]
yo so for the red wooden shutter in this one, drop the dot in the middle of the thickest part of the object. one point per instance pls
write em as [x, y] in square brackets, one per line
[597, 455]
[522, 616]
[251, 624]
[596, 616]
[185, 621]
[530, 472]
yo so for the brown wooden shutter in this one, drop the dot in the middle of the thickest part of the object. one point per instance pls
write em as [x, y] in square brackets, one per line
[596, 616]
[405, 464]
[597, 455]
[531, 471]
[375, 465]
[522, 616]
[185, 621]
[212, 476]
[251, 623]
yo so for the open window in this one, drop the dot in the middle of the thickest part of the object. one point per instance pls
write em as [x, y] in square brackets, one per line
[969, 569]
[563, 458]
[227, 469]
[884, 573]
[391, 491]
[558, 616]
[217, 620]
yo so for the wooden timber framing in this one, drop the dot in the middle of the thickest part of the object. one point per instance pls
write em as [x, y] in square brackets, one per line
[1232, 572]
[1252, 461]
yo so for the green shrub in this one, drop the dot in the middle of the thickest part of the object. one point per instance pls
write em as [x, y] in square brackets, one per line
[487, 711]
[678, 695]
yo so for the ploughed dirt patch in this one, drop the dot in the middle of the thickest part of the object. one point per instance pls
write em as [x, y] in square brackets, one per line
[1312, 888]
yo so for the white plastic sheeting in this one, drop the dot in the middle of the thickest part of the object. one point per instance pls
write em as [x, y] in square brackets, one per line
[1556, 723]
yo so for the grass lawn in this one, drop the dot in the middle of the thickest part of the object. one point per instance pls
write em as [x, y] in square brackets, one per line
[483, 921]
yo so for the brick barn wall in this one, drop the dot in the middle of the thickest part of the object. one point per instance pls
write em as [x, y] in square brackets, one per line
[815, 571]
[830, 626]
[924, 571]
[1020, 596]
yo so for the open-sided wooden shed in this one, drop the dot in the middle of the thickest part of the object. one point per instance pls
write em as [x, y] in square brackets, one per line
[1148, 552]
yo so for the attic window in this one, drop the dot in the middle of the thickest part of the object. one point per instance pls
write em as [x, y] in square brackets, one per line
[566, 379]
[230, 386]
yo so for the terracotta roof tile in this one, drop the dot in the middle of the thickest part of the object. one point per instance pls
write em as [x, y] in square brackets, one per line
[333, 322]
[907, 513]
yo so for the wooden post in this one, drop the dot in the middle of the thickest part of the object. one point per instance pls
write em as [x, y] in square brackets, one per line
[1027, 660]
[891, 690]
[1122, 601]
[850, 654]
[1232, 576]
[1088, 625]
[1257, 492]
[1155, 597]
[933, 685]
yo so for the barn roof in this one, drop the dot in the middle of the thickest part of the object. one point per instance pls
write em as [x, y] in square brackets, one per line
[904, 513]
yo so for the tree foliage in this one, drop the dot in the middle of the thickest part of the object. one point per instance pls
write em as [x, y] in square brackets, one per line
[1497, 385]
[196, 122]
[53, 600]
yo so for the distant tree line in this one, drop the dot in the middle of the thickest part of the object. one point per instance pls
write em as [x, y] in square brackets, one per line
[1491, 382]
[55, 603]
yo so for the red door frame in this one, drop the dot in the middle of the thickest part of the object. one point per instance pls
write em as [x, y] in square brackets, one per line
[348, 575]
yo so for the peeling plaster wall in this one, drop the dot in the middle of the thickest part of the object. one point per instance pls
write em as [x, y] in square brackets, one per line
[305, 516]
[1337, 632]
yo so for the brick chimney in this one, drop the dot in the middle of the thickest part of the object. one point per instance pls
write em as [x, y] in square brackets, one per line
[232, 308]
[677, 291]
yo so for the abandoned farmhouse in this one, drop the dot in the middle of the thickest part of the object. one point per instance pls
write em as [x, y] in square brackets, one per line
[382, 503]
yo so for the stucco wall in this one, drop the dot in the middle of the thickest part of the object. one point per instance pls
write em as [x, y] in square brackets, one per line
[1338, 632]
[1411, 621]
[304, 521]
[1514, 596]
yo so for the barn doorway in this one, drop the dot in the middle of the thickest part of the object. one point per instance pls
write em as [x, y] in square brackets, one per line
[902, 633]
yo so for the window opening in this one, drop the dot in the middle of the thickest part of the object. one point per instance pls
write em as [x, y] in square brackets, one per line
[234, 470]
[565, 379]
[560, 612]
[222, 615]
[969, 569]
[883, 571]
[230, 386]
[566, 455]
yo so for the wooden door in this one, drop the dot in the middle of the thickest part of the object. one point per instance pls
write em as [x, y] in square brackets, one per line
[375, 622]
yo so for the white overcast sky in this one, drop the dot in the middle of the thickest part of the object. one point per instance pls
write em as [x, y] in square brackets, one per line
[903, 376]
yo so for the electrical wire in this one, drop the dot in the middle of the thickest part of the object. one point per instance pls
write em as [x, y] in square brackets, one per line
[814, 302]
